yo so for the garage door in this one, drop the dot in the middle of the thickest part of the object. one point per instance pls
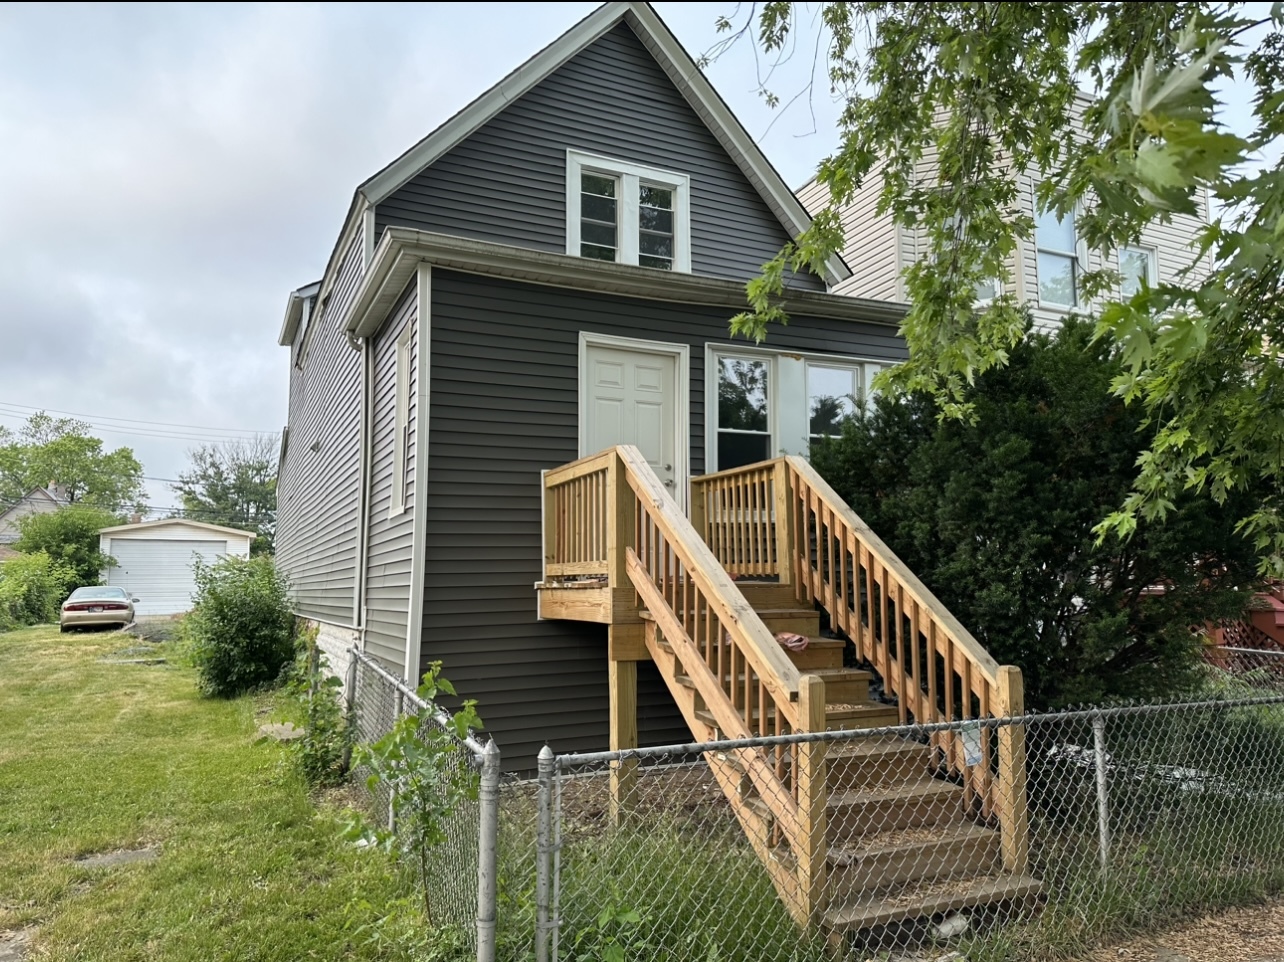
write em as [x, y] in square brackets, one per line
[159, 572]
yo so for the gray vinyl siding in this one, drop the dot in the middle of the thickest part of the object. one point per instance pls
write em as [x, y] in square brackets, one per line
[506, 183]
[504, 407]
[871, 248]
[390, 544]
[318, 491]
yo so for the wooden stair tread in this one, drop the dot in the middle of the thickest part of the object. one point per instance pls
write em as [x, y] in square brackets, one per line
[874, 747]
[764, 612]
[832, 713]
[828, 674]
[923, 788]
[921, 899]
[908, 840]
[827, 644]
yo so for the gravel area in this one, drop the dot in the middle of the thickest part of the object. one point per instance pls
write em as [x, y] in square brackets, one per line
[1241, 935]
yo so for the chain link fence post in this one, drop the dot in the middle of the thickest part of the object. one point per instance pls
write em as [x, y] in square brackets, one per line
[487, 852]
[1103, 790]
[544, 854]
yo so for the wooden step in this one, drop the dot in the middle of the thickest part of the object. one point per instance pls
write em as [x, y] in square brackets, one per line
[926, 899]
[844, 717]
[799, 621]
[879, 760]
[770, 594]
[842, 685]
[820, 653]
[868, 810]
[888, 859]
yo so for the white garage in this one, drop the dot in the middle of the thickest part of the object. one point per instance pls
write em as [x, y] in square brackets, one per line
[154, 559]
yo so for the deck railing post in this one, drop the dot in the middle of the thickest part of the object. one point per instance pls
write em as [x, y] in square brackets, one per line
[487, 851]
[812, 801]
[620, 521]
[783, 509]
[1011, 801]
[544, 855]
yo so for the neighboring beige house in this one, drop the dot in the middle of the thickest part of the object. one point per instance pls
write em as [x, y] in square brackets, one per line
[1042, 272]
[36, 501]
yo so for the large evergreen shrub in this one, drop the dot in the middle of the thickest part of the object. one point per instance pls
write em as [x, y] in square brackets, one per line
[996, 516]
[240, 628]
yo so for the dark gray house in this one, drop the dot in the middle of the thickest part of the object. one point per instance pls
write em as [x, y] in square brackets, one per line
[549, 273]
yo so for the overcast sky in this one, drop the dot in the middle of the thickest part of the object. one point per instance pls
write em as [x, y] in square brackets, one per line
[169, 173]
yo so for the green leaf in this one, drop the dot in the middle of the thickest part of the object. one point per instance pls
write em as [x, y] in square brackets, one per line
[1157, 166]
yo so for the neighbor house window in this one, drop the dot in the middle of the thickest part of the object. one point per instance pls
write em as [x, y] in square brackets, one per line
[744, 414]
[401, 427]
[833, 393]
[1058, 263]
[1137, 268]
[628, 214]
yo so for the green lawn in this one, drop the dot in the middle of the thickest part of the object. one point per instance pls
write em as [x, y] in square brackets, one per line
[96, 757]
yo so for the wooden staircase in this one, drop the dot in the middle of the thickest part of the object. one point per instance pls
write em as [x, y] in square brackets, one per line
[856, 834]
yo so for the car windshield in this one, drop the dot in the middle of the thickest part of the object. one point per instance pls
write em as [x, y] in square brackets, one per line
[95, 594]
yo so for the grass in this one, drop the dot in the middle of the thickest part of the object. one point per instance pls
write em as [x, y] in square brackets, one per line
[100, 757]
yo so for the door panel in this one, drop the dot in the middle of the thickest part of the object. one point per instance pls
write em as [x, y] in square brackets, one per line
[632, 400]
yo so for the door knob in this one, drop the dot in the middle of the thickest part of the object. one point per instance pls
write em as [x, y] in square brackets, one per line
[668, 483]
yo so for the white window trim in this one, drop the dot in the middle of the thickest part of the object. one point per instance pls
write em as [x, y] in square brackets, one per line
[775, 413]
[1077, 257]
[1152, 262]
[401, 423]
[630, 177]
[682, 406]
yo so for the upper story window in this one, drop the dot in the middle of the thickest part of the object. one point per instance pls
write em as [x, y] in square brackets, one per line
[1058, 260]
[1138, 267]
[401, 425]
[621, 212]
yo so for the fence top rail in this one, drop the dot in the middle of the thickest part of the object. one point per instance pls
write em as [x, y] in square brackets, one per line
[412, 698]
[757, 466]
[888, 558]
[590, 464]
[572, 759]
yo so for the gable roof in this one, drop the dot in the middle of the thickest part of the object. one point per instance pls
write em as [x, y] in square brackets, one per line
[672, 58]
[116, 529]
[35, 494]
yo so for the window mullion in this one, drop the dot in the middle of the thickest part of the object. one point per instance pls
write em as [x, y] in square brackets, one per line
[628, 212]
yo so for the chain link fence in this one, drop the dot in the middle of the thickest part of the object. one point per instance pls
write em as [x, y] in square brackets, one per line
[1123, 819]
[1131, 817]
[462, 870]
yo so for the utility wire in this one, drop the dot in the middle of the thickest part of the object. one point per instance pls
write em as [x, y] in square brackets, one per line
[104, 417]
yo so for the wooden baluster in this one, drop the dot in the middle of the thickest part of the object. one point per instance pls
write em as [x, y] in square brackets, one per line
[969, 781]
[916, 664]
[871, 610]
[902, 672]
[985, 787]
[951, 762]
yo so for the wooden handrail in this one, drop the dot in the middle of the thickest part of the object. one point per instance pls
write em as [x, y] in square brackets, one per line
[699, 566]
[914, 588]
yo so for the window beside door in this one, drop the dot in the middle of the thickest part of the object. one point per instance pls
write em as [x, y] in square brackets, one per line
[744, 412]
[769, 403]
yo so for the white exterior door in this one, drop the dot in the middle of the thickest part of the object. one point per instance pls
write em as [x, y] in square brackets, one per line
[629, 396]
[158, 571]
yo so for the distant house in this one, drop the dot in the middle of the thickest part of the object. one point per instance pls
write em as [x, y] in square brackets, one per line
[154, 559]
[36, 501]
[1044, 270]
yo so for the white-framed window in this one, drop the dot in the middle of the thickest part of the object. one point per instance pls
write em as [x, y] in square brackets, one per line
[301, 335]
[760, 403]
[1057, 259]
[744, 426]
[834, 392]
[1138, 266]
[622, 212]
[401, 426]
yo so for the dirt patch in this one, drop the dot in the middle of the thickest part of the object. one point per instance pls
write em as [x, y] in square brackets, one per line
[1253, 934]
[131, 856]
[14, 945]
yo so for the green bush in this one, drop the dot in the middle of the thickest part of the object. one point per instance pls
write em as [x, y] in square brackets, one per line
[996, 515]
[70, 536]
[239, 630]
[32, 588]
[322, 754]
